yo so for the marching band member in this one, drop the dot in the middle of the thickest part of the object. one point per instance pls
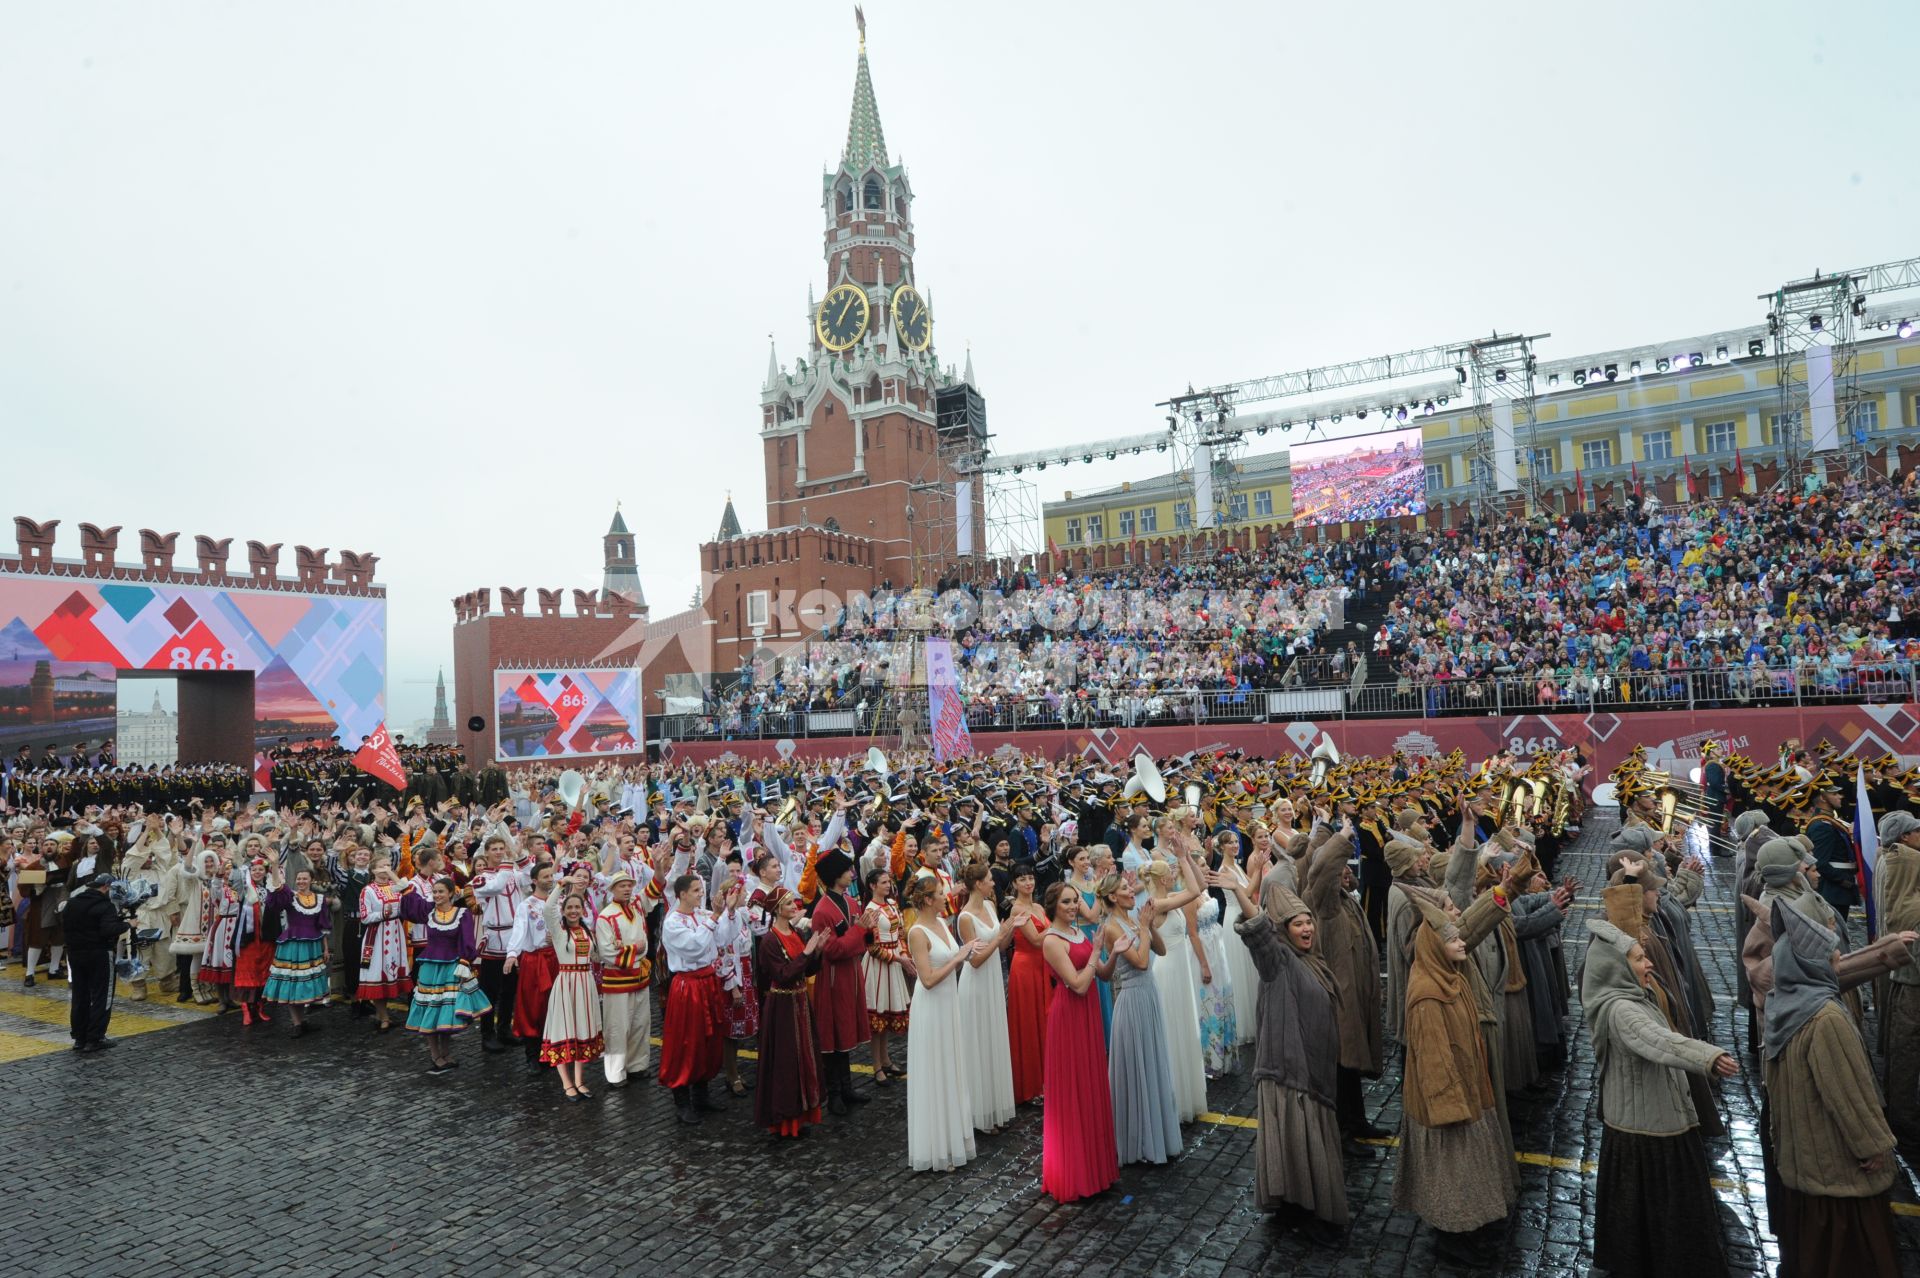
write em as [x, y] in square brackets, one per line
[626, 1002]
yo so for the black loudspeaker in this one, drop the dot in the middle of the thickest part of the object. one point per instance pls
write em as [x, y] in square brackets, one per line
[477, 724]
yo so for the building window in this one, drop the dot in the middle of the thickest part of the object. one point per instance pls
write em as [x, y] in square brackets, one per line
[1236, 507]
[1775, 438]
[1073, 532]
[1476, 471]
[1182, 514]
[1865, 415]
[1126, 523]
[1149, 519]
[1722, 437]
[1096, 527]
[1596, 454]
[1657, 445]
[874, 199]
[756, 610]
[1263, 502]
[1541, 459]
[1436, 477]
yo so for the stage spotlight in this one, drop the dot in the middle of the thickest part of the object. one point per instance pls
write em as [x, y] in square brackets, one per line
[1460, 372]
[1426, 410]
[1136, 450]
[1499, 374]
[1336, 419]
[1814, 322]
[1613, 372]
[1362, 414]
[1087, 458]
[1633, 369]
[1161, 447]
[1040, 466]
[1662, 364]
[1579, 377]
[1553, 379]
[1287, 425]
[1906, 329]
[1261, 429]
[1859, 306]
[1443, 401]
[1679, 363]
[1018, 469]
[1110, 454]
[1400, 414]
[1720, 354]
[1696, 360]
[1756, 348]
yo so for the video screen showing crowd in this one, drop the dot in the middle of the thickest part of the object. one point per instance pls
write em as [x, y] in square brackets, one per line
[991, 932]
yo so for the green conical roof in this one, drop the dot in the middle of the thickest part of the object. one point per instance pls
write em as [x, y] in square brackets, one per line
[729, 522]
[866, 141]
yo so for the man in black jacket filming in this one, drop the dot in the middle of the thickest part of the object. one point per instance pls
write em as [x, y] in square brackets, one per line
[93, 925]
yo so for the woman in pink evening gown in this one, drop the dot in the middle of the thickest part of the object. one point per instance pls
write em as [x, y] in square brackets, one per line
[1078, 1157]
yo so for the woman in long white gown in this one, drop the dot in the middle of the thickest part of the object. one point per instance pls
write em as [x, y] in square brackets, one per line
[939, 1099]
[1246, 979]
[1174, 976]
[983, 1000]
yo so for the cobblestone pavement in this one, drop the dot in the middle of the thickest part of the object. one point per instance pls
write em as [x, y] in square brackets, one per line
[211, 1150]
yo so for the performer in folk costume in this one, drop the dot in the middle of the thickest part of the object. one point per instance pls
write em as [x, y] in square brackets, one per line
[840, 999]
[532, 958]
[386, 967]
[626, 977]
[571, 1036]
[690, 1044]
[889, 974]
[299, 977]
[446, 997]
[498, 888]
[789, 1094]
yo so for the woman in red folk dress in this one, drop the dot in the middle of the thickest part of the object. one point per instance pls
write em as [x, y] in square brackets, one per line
[840, 996]
[788, 1097]
[1078, 1156]
[571, 1035]
[254, 961]
[385, 961]
[1029, 987]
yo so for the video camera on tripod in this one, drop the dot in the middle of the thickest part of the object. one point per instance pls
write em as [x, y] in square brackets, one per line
[127, 896]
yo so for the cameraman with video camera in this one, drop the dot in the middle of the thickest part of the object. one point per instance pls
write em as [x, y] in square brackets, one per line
[94, 924]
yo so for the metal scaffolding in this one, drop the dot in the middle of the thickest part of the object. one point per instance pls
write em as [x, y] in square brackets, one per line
[1811, 325]
[1013, 517]
[1499, 372]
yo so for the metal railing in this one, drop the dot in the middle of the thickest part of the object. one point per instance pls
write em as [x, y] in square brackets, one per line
[890, 711]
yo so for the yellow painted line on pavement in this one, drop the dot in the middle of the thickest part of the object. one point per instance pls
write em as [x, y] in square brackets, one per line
[20, 1047]
[51, 1012]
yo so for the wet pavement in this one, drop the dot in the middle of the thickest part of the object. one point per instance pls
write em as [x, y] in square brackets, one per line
[199, 1147]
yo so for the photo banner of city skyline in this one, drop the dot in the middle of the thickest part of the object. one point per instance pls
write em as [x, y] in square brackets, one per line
[1359, 478]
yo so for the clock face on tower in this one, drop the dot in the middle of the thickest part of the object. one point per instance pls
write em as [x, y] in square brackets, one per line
[842, 318]
[911, 318]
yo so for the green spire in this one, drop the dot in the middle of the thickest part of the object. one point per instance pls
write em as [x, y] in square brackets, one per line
[866, 141]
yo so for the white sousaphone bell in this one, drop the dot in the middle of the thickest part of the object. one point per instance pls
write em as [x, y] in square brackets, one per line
[1146, 779]
[877, 761]
[572, 788]
[1325, 756]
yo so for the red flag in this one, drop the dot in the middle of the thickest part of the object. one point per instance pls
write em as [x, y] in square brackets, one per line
[1686, 464]
[1053, 547]
[1739, 471]
[376, 757]
[1638, 495]
[1579, 490]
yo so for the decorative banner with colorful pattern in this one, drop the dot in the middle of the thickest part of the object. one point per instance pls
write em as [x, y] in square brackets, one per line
[556, 714]
[319, 661]
[946, 715]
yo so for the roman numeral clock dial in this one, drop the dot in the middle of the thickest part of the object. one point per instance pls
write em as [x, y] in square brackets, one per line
[911, 318]
[842, 318]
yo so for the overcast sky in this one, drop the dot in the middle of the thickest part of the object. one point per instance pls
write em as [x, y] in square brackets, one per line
[446, 281]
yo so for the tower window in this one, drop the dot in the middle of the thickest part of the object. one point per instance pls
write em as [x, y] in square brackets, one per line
[845, 194]
[873, 197]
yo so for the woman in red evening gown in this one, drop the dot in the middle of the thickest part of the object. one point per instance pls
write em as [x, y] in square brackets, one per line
[1029, 984]
[1078, 1157]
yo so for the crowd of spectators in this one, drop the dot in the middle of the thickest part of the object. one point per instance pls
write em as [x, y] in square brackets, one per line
[1755, 598]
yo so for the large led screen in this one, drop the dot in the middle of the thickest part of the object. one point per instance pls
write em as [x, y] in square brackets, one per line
[557, 714]
[1362, 477]
[319, 662]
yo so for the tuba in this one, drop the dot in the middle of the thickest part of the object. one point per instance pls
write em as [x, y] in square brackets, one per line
[572, 789]
[1146, 779]
[1325, 756]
